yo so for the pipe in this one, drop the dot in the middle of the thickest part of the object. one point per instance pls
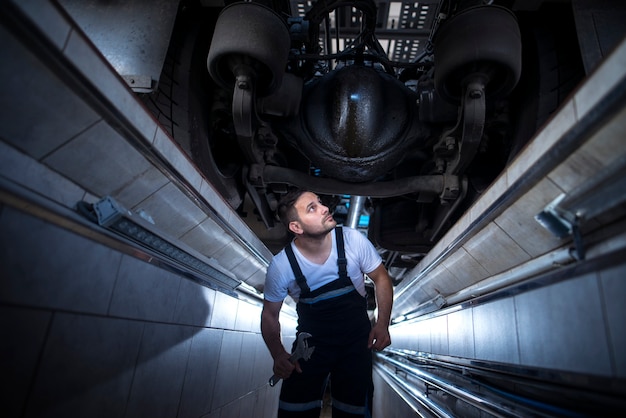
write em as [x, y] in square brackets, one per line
[455, 390]
[354, 212]
[429, 184]
[524, 271]
[529, 269]
[535, 267]
[487, 398]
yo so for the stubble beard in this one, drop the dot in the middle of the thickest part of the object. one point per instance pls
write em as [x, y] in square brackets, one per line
[326, 228]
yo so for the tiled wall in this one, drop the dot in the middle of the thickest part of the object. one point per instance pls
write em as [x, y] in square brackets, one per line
[575, 325]
[72, 130]
[91, 332]
[88, 331]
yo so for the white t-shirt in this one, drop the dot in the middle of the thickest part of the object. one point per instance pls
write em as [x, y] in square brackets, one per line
[360, 253]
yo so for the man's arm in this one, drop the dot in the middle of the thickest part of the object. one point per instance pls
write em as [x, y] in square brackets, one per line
[379, 336]
[270, 329]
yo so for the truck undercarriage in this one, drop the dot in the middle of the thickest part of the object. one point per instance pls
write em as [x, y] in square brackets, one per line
[399, 114]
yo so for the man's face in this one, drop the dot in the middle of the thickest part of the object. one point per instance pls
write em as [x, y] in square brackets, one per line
[313, 217]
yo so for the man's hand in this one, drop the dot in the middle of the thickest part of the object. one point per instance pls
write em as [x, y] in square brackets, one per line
[270, 329]
[283, 367]
[379, 337]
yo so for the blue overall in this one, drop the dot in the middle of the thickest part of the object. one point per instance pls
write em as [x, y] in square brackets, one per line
[336, 317]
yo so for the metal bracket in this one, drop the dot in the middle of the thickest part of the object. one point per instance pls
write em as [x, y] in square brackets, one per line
[139, 83]
[562, 224]
[108, 211]
[599, 195]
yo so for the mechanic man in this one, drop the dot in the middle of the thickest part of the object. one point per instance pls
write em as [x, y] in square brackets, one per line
[331, 306]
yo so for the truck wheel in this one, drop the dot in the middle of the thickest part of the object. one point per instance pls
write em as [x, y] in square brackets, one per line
[188, 104]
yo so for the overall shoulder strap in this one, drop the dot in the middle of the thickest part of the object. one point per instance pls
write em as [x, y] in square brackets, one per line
[300, 279]
[342, 262]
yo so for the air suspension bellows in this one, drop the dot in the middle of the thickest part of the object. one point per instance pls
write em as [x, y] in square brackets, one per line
[483, 43]
[253, 38]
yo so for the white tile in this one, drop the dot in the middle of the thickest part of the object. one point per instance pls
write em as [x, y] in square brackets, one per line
[494, 250]
[160, 372]
[439, 335]
[140, 188]
[252, 239]
[144, 291]
[231, 256]
[410, 299]
[246, 363]
[442, 281]
[494, 335]
[579, 167]
[213, 414]
[418, 270]
[76, 274]
[461, 333]
[400, 337]
[257, 279]
[271, 401]
[175, 156]
[465, 268]
[247, 404]
[99, 160]
[47, 18]
[207, 238]
[224, 312]
[609, 143]
[558, 327]
[420, 332]
[602, 149]
[260, 397]
[518, 220]
[613, 290]
[36, 106]
[22, 333]
[214, 199]
[228, 380]
[194, 304]
[263, 363]
[172, 211]
[231, 410]
[27, 172]
[247, 317]
[86, 359]
[230, 217]
[201, 373]
[249, 267]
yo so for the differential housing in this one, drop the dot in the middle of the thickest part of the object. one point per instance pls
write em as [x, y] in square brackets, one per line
[357, 122]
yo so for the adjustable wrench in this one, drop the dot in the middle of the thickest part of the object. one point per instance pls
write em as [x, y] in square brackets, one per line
[302, 351]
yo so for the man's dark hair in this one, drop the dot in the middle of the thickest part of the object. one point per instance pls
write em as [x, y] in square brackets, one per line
[286, 211]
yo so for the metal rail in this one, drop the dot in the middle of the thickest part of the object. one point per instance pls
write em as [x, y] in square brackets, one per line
[419, 402]
[422, 382]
